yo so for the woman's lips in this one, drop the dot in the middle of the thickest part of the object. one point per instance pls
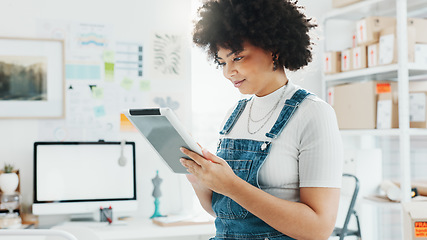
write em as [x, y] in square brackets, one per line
[238, 83]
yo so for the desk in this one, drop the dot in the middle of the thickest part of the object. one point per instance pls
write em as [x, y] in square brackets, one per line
[144, 229]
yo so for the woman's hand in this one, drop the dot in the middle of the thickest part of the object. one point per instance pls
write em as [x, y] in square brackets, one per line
[209, 170]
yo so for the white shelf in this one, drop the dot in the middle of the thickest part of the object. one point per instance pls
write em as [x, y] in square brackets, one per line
[383, 132]
[386, 72]
[416, 8]
[385, 204]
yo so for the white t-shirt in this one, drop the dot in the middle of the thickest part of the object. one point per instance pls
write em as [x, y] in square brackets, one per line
[307, 153]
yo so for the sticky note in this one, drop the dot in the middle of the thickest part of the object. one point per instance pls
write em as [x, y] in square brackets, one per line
[99, 111]
[109, 56]
[127, 83]
[144, 85]
[97, 92]
[109, 72]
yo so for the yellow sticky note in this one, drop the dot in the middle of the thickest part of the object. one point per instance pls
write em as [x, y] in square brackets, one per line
[109, 72]
[127, 83]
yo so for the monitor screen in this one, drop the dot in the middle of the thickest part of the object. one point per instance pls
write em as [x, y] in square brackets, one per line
[81, 177]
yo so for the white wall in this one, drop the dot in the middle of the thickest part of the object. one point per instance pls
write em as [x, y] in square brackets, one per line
[132, 20]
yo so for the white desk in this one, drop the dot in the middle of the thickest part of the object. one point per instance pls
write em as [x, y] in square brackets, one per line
[145, 229]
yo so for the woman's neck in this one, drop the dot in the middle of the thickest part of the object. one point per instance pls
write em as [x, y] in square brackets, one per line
[277, 80]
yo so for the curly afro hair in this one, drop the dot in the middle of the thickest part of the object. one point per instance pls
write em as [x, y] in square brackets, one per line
[277, 26]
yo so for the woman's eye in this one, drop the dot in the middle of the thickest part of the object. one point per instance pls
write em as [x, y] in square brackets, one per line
[237, 59]
[221, 63]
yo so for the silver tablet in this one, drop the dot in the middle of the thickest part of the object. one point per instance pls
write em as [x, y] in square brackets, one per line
[165, 132]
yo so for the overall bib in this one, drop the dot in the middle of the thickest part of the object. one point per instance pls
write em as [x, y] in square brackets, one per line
[246, 157]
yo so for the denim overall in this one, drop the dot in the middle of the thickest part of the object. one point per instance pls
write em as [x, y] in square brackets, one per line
[246, 157]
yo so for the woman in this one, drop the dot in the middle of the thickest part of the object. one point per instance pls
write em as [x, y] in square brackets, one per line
[277, 171]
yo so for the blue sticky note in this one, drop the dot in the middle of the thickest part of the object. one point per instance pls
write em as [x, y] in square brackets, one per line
[99, 111]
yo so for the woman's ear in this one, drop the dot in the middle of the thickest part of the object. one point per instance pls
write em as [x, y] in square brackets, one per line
[275, 56]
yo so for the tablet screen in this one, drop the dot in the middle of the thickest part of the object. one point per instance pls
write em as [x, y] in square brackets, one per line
[164, 138]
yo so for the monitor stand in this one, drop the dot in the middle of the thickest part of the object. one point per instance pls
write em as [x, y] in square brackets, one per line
[82, 217]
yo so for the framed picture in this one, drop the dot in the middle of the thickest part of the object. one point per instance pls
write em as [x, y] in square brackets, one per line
[32, 82]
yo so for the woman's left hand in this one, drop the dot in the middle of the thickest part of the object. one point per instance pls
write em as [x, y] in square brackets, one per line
[210, 170]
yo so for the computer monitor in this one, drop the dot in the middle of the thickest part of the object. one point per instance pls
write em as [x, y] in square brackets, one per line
[81, 177]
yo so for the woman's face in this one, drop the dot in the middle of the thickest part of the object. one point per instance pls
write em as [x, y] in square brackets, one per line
[251, 70]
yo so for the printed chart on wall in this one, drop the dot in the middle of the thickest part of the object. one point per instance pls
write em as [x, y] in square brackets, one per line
[91, 109]
[105, 76]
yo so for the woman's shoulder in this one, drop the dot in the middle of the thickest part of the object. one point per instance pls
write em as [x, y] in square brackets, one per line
[315, 105]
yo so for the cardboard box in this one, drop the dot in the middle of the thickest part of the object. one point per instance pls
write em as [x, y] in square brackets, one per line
[373, 55]
[369, 28]
[355, 104]
[387, 110]
[354, 40]
[417, 86]
[415, 220]
[343, 3]
[332, 62]
[420, 55]
[417, 109]
[388, 45]
[420, 25]
[346, 64]
[359, 59]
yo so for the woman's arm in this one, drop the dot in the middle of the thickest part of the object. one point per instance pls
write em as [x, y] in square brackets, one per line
[203, 194]
[312, 218]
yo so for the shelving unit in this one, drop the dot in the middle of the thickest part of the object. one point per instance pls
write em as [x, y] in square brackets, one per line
[388, 72]
[402, 72]
[383, 132]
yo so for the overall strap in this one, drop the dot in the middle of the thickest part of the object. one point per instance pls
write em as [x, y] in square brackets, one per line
[234, 116]
[287, 111]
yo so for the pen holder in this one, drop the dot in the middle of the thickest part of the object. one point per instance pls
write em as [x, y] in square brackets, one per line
[106, 215]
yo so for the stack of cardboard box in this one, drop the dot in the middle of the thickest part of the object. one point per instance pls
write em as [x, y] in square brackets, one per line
[375, 43]
[374, 104]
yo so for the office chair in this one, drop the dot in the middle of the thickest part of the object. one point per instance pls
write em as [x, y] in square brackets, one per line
[343, 231]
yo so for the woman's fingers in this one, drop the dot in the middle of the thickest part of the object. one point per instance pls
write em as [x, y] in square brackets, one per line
[196, 157]
[210, 156]
[190, 165]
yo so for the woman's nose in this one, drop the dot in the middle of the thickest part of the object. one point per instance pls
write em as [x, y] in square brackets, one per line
[229, 70]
